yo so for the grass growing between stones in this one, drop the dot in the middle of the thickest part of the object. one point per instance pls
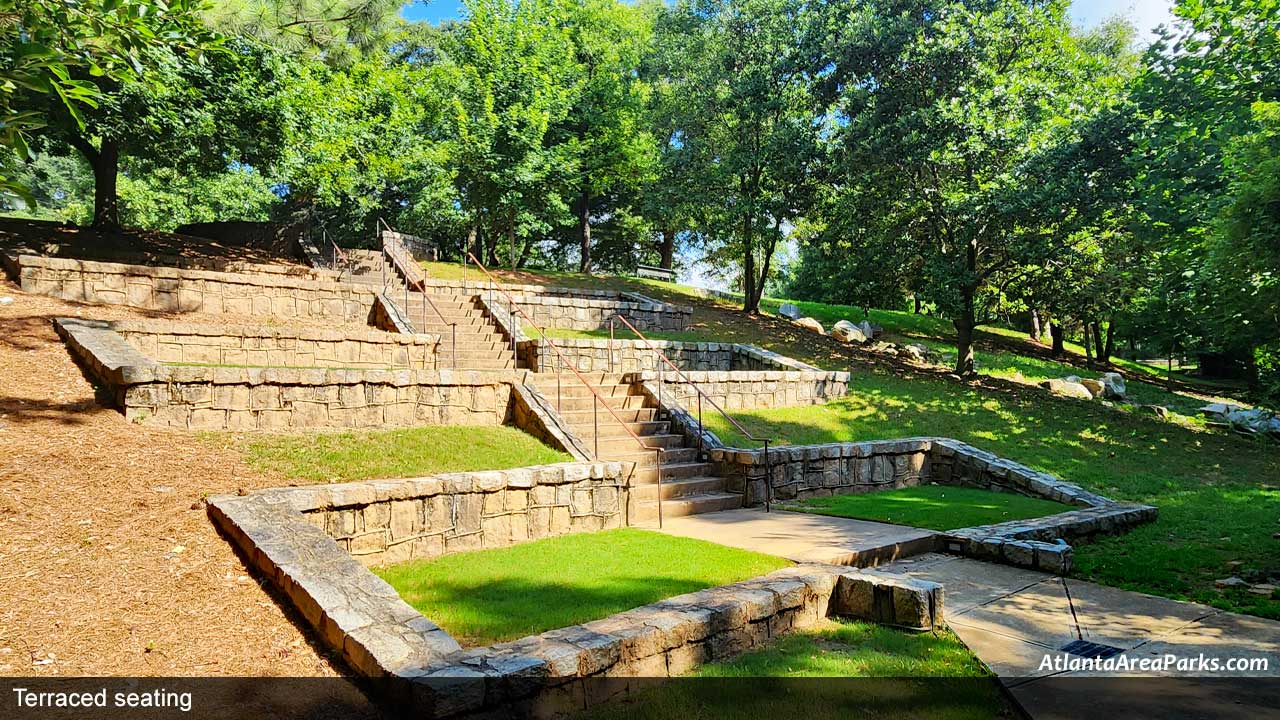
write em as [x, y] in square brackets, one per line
[867, 671]
[409, 452]
[936, 507]
[1217, 494]
[489, 596]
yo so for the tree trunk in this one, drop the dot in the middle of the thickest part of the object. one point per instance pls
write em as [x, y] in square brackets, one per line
[1036, 332]
[1086, 328]
[511, 237]
[584, 229]
[1109, 347]
[965, 322]
[1055, 330]
[749, 303]
[471, 247]
[917, 304]
[667, 249]
[1097, 341]
[105, 162]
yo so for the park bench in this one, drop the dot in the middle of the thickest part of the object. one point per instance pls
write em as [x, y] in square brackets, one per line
[656, 273]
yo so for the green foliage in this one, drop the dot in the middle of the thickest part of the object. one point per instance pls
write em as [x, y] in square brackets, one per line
[489, 596]
[71, 53]
[744, 133]
[336, 32]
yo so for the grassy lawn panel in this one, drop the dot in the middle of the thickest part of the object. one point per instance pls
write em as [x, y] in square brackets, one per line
[1217, 493]
[937, 507]
[488, 596]
[884, 673]
[408, 452]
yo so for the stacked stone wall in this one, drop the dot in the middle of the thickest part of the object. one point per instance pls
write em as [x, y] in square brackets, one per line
[268, 346]
[171, 289]
[748, 390]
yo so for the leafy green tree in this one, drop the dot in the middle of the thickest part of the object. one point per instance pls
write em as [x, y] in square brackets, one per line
[514, 77]
[951, 109]
[1204, 101]
[365, 141]
[746, 129]
[604, 130]
[58, 59]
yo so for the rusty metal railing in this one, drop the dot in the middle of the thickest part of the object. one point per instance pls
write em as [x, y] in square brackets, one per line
[701, 395]
[398, 255]
[598, 399]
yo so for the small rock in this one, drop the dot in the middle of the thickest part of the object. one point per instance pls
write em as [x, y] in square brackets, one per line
[1067, 388]
[847, 332]
[6, 300]
[1231, 582]
[1158, 410]
[811, 324]
[790, 312]
[1113, 386]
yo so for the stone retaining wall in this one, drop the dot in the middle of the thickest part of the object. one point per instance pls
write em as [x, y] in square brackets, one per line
[796, 473]
[171, 289]
[234, 398]
[268, 346]
[747, 390]
[392, 521]
[297, 538]
[635, 356]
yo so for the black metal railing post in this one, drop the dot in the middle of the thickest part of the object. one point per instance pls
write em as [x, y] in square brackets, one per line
[768, 479]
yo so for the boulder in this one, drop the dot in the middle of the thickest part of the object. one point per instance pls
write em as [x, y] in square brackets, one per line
[811, 324]
[1095, 387]
[790, 312]
[886, 348]
[1113, 386]
[1253, 421]
[869, 330]
[845, 331]
[1066, 388]
[911, 352]
[1218, 409]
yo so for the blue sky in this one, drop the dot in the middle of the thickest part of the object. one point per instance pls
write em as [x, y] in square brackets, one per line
[1146, 14]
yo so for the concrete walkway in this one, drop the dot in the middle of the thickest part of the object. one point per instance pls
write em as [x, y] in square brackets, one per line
[802, 537]
[1012, 618]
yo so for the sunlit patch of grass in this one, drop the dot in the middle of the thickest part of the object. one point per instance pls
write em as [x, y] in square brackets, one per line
[488, 596]
[936, 507]
[410, 452]
[858, 670]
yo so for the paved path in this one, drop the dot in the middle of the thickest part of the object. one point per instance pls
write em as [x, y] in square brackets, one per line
[802, 537]
[1012, 618]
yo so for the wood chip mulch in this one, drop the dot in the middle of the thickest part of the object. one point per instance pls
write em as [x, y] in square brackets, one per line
[109, 564]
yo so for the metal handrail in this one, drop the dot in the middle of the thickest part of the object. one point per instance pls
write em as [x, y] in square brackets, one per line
[420, 283]
[768, 501]
[514, 308]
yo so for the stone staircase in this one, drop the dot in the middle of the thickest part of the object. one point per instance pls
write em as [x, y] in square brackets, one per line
[480, 344]
[688, 485]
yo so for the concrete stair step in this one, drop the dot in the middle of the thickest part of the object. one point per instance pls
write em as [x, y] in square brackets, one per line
[626, 443]
[566, 404]
[644, 458]
[689, 505]
[579, 417]
[595, 378]
[571, 387]
[670, 471]
[679, 488]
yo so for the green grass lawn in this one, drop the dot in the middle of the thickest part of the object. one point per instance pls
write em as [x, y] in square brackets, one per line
[896, 675]
[488, 596]
[1218, 494]
[410, 452]
[937, 507]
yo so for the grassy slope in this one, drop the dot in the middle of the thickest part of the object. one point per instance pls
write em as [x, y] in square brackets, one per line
[1216, 492]
[888, 666]
[492, 595]
[934, 506]
[411, 452]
